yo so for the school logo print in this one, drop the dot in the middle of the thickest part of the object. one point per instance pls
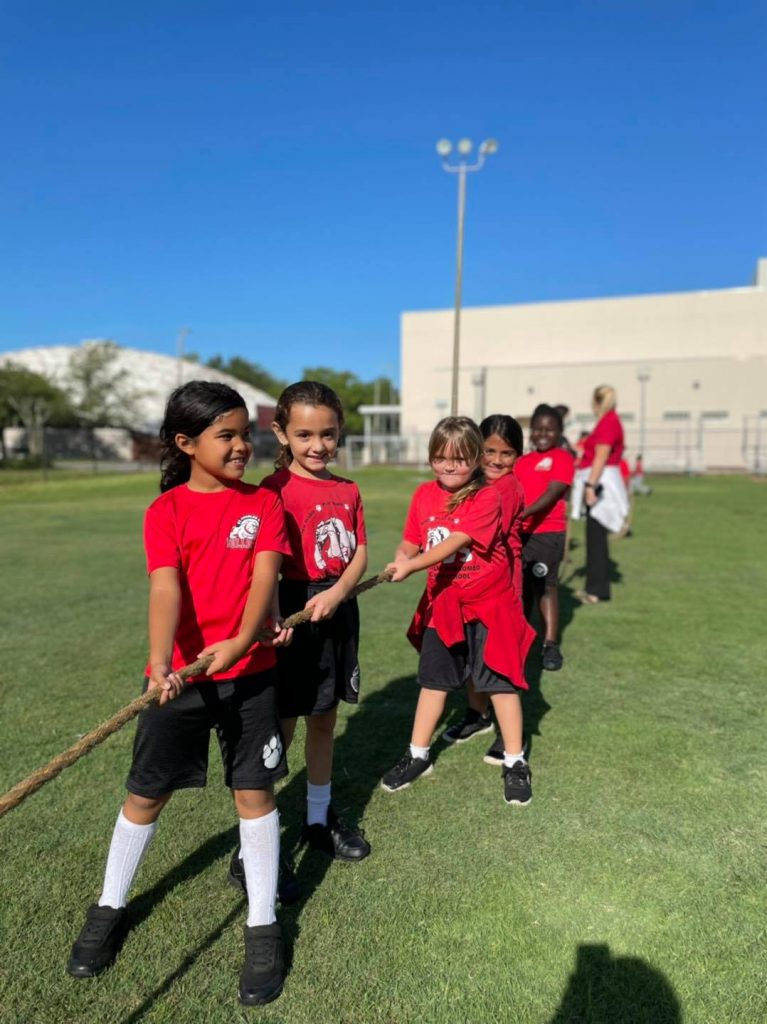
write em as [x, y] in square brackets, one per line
[540, 569]
[243, 533]
[333, 540]
[354, 682]
[544, 465]
[272, 752]
[435, 535]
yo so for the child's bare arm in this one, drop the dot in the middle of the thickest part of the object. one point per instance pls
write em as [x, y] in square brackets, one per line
[406, 549]
[164, 611]
[403, 567]
[324, 605]
[547, 500]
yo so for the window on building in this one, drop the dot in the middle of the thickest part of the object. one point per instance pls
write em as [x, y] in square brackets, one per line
[716, 414]
[676, 415]
[628, 417]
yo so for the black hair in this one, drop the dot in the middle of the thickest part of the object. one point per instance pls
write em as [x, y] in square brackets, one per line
[190, 410]
[548, 410]
[304, 392]
[505, 427]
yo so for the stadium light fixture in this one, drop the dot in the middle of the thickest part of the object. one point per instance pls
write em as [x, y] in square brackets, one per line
[461, 168]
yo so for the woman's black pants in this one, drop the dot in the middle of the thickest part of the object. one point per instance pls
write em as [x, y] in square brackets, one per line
[597, 560]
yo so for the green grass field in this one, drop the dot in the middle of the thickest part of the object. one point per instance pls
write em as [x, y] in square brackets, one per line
[631, 890]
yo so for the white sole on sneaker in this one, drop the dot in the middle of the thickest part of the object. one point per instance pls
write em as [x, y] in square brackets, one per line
[518, 803]
[496, 762]
[398, 789]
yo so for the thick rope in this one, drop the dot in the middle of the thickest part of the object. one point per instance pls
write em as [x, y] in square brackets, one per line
[92, 739]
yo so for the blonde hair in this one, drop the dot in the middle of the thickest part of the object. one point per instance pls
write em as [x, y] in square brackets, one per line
[604, 399]
[461, 436]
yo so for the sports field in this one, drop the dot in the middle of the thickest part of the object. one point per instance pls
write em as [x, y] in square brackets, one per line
[631, 890]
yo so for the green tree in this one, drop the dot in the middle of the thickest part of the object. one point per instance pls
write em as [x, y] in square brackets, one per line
[251, 373]
[99, 389]
[353, 392]
[32, 401]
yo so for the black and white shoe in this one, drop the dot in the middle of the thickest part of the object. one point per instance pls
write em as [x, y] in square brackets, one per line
[288, 887]
[405, 772]
[337, 840]
[518, 784]
[263, 973]
[472, 724]
[494, 755]
[99, 941]
[552, 658]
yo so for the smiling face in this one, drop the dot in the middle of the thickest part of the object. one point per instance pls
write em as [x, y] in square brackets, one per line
[545, 433]
[498, 457]
[451, 470]
[220, 454]
[312, 432]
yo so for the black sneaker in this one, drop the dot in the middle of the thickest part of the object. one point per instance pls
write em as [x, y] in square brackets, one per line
[472, 724]
[552, 658]
[288, 887]
[339, 841]
[517, 784]
[494, 755]
[262, 975]
[406, 771]
[99, 941]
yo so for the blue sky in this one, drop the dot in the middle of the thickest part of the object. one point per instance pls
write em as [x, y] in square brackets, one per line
[266, 174]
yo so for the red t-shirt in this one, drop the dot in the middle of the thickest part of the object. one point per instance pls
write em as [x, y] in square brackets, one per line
[609, 430]
[512, 502]
[325, 524]
[536, 471]
[213, 539]
[485, 562]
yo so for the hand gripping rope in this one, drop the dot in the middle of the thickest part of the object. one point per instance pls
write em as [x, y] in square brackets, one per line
[92, 739]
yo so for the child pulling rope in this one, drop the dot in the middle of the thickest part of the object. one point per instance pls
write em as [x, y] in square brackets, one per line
[86, 743]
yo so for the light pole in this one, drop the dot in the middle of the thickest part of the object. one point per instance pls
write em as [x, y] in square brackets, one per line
[461, 168]
[643, 376]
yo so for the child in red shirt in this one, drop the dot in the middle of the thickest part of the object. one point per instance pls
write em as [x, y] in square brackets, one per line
[214, 547]
[464, 626]
[503, 444]
[546, 474]
[328, 556]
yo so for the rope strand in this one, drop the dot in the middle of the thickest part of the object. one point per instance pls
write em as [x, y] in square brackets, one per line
[92, 739]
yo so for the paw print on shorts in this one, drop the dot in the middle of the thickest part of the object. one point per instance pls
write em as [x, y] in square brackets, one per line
[272, 752]
[354, 682]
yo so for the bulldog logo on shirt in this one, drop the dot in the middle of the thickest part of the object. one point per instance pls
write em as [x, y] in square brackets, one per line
[544, 465]
[333, 540]
[243, 533]
[435, 535]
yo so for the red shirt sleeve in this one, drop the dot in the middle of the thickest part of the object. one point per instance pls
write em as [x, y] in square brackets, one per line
[607, 431]
[160, 542]
[481, 519]
[272, 533]
[563, 469]
[359, 519]
[412, 529]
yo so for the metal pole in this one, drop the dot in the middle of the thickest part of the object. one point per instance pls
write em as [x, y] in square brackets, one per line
[458, 289]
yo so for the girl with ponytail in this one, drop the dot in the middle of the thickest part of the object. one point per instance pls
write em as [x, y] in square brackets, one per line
[465, 626]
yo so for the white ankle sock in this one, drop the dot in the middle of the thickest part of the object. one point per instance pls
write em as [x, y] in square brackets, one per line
[510, 759]
[317, 803]
[126, 851]
[422, 752]
[260, 848]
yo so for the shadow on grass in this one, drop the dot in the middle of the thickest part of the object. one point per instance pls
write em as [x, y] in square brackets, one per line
[605, 989]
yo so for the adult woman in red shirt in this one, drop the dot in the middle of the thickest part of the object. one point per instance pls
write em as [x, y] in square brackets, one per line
[599, 486]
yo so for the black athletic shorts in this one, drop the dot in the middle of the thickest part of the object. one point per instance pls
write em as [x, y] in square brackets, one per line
[170, 750]
[321, 666]
[449, 668]
[541, 556]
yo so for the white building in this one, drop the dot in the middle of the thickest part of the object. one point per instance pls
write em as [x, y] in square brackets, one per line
[690, 369]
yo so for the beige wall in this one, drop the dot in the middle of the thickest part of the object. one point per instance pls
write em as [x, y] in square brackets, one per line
[706, 353]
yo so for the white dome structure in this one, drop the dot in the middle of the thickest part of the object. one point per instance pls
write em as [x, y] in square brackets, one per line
[150, 374]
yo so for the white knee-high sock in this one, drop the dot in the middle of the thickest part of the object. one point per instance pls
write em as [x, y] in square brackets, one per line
[317, 803]
[126, 851]
[260, 846]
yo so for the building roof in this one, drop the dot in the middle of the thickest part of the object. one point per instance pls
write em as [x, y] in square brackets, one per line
[152, 374]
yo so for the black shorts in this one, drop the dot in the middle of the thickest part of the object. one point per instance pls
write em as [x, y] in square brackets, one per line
[321, 666]
[170, 750]
[449, 668]
[541, 556]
